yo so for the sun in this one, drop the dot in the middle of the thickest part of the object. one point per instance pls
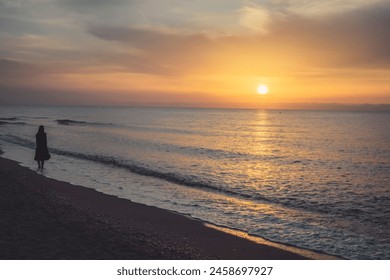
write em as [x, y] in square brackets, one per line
[262, 89]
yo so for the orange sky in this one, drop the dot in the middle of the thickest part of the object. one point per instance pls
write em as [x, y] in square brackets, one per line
[194, 54]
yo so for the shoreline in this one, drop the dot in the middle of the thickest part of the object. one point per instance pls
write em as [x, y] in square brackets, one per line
[42, 218]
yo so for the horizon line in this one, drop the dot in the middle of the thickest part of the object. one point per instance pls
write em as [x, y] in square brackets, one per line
[309, 106]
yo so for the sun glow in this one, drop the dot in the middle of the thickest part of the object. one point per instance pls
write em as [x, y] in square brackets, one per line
[262, 89]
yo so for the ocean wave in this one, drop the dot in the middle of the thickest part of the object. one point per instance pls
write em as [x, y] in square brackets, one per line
[225, 154]
[10, 122]
[69, 122]
[18, 140]
[138, 169]
[9, 119]
[76, 122]
[165, 130]
[179, 179]
[326, 207]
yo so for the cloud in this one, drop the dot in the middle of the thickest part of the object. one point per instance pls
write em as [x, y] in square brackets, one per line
[91, 4]
[315, 9]
[146, 38]
[199, 43]
[255, 18]
[11, 69]
[359, 38]
[160, 51]
[279, 39]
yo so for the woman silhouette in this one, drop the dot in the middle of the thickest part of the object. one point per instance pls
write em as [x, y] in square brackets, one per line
[41, 152]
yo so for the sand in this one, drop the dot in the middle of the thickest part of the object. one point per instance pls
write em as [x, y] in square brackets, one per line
[42, 218]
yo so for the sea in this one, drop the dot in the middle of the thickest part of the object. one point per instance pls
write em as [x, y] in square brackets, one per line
[318, 180]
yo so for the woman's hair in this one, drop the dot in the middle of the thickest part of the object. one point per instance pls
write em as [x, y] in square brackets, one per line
[41, 129]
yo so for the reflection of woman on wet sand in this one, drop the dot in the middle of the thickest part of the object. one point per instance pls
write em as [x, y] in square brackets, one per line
[41, 152]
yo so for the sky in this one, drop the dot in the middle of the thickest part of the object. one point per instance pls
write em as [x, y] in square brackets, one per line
[195, 53]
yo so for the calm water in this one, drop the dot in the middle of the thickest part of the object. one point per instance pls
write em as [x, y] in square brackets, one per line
[318, 180]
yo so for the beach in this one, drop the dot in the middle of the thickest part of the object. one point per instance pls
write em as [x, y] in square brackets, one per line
[42, 218]
[263, 174]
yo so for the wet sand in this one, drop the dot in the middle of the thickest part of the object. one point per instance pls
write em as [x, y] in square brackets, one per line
[42, 218]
